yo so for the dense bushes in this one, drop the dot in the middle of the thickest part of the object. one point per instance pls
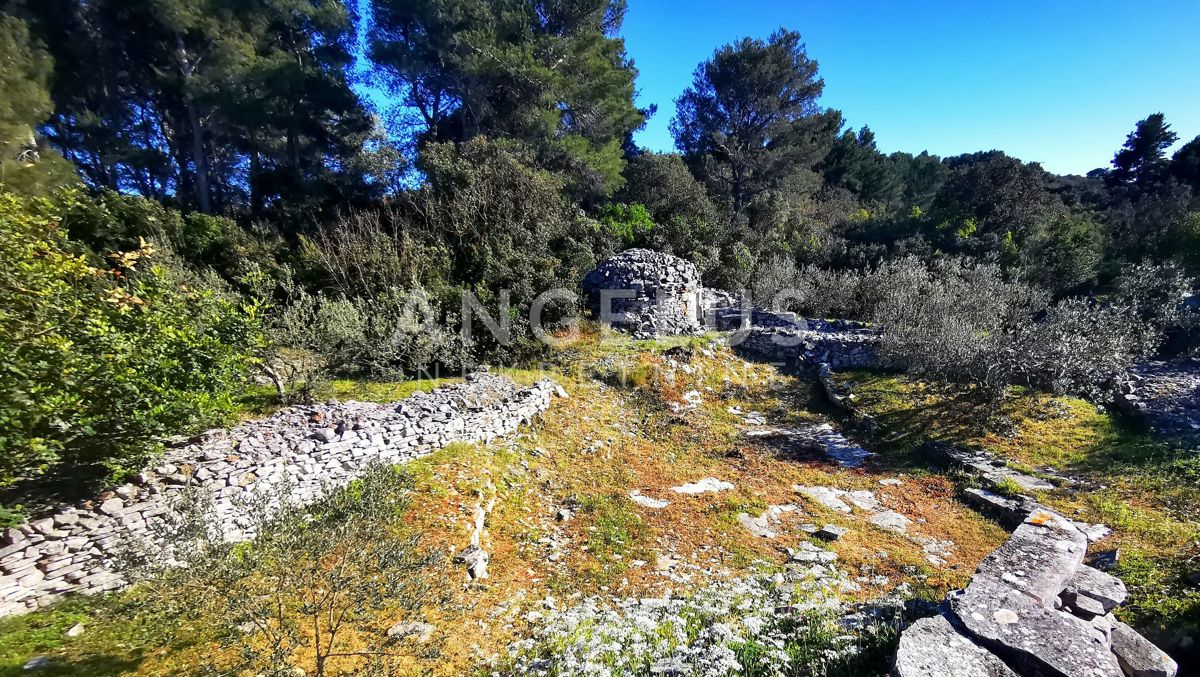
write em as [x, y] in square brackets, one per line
[392, 335]
[100, 363]
[964, 322]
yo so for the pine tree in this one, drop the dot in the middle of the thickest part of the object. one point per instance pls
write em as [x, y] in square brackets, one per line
[552, 75]
[1142, 161]
[750, 121]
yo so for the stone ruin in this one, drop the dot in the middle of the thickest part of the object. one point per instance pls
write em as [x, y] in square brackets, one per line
[1033, 608]
[300, 452]
[652, 294]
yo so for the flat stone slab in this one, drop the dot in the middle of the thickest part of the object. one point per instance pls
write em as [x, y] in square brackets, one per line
[1109, 591]
[1137, 656]
[764, 525]
[706, 485]
[836, 446]
[827, 496]
[931, 647]
[807, 552]
[759, 526]
[1040, 557]
[891, 520]
[990, 468]
[1029, 636]
[646, 501]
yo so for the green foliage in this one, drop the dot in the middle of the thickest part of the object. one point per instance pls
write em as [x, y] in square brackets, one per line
[394, 334]
[1185, 164]
[552, 75]
[1142, 160]
[220, 105]
[750, 122]
[686, 223]
[1064, 254]
[507, 226]
[27, 165]
[115, 222]
[102, 363]
[629, 225]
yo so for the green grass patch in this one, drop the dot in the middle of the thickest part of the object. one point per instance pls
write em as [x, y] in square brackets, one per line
[262, 400]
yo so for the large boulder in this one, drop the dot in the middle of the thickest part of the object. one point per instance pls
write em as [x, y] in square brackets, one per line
[648, 293]
[1038, 639]
[931, 647]
[1040, 557]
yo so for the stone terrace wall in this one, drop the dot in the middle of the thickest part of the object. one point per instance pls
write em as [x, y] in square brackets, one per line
[300, 450]
[1032, 608]
[783, 337]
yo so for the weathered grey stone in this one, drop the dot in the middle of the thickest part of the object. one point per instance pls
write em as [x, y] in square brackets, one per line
[1030, 636]
[422, 632]
[1083, 606]
[112, 507]
[1107, 590]
[931, 647]
[1042, 554]
[73, 546]
[1137, 656]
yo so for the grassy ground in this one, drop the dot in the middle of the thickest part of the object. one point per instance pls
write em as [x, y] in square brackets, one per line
[261, 400]
[623, 427]
[1147, 491]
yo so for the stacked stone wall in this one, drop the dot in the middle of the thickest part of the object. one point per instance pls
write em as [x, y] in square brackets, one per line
[299, 451]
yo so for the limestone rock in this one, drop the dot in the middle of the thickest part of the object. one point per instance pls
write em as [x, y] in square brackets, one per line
[1137, 656]
[706, 485]
[1030, 636]
[759, 526]
[646, 501]
[1039, 558]
[1109, 591]
[423, 632]
[931, 647]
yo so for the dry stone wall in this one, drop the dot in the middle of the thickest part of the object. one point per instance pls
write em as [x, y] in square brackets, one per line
[782, 337]
[301, 451]
[668, 299]
[665, 293]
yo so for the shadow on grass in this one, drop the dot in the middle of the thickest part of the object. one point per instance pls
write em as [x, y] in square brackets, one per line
[93, 666]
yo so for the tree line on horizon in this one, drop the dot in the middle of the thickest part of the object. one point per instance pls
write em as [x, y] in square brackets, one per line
[204, 177]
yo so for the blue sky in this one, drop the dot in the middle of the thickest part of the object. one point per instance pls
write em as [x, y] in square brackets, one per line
[1058, 82]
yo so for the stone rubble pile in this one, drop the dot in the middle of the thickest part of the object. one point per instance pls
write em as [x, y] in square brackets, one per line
[1032, 608]
[1167, 394]
[654, 294]
[299, 451]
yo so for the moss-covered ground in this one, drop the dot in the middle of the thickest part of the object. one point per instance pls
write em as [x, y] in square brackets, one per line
[1146, 489]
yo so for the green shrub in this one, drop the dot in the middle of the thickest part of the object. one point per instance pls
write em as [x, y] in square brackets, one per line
[393, 335]
[100, 364]
[115, 222]
[628, 224]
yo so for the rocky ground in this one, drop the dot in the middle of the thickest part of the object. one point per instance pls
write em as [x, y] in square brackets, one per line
[1167, 395]
[680, 511]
